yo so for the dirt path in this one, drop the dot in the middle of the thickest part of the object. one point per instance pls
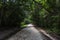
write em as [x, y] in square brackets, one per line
[29, 33]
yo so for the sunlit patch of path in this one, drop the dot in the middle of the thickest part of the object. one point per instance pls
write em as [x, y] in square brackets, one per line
[28, 33]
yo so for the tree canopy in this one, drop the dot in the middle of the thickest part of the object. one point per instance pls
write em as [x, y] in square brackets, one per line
[42, 13]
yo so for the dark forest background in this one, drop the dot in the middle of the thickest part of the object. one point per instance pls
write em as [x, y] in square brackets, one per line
[42, 13]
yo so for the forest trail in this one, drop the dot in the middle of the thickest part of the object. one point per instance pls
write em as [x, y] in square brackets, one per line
[29, 33]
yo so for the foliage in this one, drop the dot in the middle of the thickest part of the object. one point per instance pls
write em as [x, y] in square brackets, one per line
[42, 13]
[46, 14]
[11, 14]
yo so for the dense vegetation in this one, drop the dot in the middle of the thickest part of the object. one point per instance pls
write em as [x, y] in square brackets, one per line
[47, 15]
[11, 13]
[42, 13]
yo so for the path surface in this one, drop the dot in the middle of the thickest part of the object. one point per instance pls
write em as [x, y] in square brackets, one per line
[28, 33]
[7, 33]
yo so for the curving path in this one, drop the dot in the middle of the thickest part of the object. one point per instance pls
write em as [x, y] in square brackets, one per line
[28, 33]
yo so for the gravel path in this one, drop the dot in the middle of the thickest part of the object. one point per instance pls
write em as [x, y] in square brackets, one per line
[28, 33]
